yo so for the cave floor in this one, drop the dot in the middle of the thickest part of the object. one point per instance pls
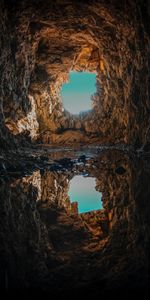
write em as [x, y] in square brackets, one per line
[28, 159]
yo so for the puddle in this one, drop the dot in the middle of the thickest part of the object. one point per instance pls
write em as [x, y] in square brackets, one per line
[82, 190]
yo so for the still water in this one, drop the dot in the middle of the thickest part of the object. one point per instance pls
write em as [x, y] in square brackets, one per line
[44, 244]
[82, 189]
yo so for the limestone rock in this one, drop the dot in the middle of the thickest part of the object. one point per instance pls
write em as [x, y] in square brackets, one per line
[40, 44]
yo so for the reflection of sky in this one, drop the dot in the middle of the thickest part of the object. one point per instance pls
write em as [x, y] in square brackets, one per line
[76, 94]
[82, 190]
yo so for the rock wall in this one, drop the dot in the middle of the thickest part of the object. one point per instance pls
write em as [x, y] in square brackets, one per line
[40, 44]
[24, 242]
[44, 246]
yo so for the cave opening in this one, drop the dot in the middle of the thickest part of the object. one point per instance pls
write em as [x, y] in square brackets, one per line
[77, 93]
[83, 193]
[45, 246]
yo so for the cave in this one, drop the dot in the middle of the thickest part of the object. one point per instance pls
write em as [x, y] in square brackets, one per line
[46, 244]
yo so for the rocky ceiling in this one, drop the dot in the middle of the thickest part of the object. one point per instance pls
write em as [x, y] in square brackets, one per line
[42, 41]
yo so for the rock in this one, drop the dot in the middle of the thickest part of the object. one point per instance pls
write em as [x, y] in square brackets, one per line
[82, 158]
[146, 147]
[65, 162]
[120, 170]
[39, 55]
[40, 42]
[2, 167]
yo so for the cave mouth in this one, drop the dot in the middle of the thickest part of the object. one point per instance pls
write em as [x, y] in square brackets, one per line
[83, 193]
[77, 93]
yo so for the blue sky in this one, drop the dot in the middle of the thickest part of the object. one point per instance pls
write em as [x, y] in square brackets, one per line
[77, 92]
[82, 190]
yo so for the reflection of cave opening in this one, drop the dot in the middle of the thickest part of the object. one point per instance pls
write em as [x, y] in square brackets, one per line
[76, 94]
[83, 194]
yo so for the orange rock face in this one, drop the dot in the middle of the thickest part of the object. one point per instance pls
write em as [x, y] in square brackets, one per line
[45, 243]
[44, 42]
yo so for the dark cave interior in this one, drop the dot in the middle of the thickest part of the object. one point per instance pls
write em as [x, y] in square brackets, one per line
[44, 242]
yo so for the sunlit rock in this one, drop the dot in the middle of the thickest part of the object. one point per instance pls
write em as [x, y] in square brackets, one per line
[40, 51]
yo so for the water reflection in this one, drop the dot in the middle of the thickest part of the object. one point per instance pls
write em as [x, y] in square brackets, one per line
[45, 244]
[82, 190]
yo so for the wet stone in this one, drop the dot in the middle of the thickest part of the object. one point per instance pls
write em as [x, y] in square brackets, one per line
[120, 170]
